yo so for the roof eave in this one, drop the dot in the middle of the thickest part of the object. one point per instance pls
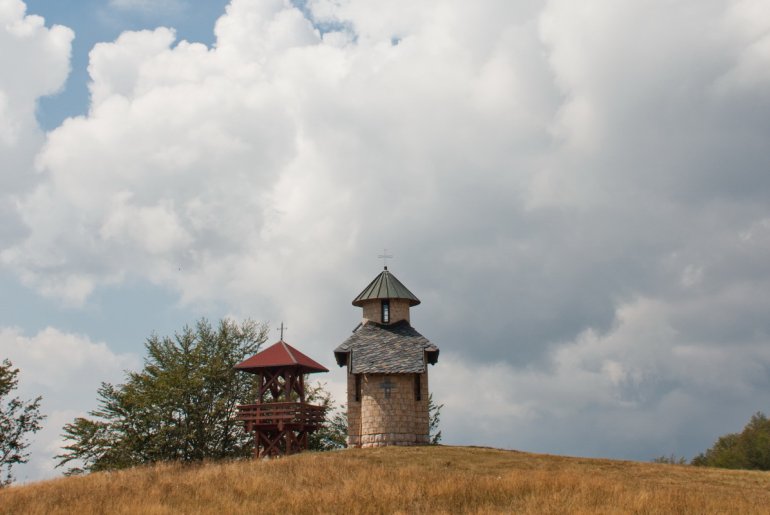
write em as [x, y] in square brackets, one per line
[303, 368]
[341, 357]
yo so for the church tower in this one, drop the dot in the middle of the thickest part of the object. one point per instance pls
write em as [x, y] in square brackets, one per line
[387, 363]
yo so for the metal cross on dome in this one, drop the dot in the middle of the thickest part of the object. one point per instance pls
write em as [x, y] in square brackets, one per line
[282, 329]
[385, 256]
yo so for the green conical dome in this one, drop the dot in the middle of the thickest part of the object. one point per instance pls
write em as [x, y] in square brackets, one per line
[385, 286]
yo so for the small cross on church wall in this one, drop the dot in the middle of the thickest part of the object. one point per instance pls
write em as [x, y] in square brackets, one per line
[387, 387]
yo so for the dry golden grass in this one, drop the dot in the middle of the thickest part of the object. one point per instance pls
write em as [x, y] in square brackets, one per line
[402, 480]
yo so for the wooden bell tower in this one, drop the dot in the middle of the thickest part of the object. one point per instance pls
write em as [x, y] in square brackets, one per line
[281, 419]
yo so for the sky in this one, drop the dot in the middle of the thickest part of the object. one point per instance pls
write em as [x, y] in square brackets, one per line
[578, 193]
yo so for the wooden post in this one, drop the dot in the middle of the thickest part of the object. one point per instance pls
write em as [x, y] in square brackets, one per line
[302, 387]
[287, 384]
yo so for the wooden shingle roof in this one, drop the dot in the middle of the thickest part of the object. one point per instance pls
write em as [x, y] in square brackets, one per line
[386, 349]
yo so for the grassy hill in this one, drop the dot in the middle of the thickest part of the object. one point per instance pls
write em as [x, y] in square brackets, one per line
[407, 479]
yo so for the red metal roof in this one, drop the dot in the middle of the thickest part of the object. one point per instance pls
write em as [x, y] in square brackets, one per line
[280, 354]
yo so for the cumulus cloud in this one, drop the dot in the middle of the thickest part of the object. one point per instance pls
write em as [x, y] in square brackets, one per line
[640, 389]
[25, 40]
[578, 193]
[65, 369]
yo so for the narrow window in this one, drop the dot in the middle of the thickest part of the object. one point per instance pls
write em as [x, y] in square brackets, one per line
[385, 311]
[417, 388]
[358, 387]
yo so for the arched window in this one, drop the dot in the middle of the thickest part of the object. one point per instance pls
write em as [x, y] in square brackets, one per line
[386, 311]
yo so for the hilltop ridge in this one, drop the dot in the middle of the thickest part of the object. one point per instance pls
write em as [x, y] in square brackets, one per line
[428, 479]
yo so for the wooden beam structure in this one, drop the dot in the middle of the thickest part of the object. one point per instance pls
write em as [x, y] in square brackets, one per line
[280, 419]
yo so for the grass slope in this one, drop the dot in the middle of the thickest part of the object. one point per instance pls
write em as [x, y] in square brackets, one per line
[401, 479]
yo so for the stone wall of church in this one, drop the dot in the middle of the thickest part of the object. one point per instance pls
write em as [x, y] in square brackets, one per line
[388, 413]
[399, 310]
[354, 414]
[372, 311]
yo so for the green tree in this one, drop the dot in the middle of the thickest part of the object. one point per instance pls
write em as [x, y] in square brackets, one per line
[755, 440]
[17, 420]
[178, 407]
[434, 411]
[749, 449]
[333, 434]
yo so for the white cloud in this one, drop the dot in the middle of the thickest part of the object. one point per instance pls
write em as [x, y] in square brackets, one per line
[24, 40]
[65, 369]
[116, 67]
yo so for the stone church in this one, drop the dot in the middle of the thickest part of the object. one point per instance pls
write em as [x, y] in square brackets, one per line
[387, 363]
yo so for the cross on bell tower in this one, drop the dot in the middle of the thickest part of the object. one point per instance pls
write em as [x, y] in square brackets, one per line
[385, 256]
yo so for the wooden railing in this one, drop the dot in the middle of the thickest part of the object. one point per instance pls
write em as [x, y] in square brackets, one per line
[281, 414]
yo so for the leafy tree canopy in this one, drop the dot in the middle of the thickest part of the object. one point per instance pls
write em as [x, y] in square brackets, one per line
[434, 412]
[749, 449]
[333, 434]
[17, 420]
[178, 407]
